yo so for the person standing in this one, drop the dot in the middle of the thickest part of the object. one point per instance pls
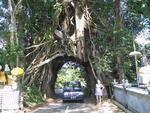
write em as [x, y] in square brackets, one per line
[98, 92]
[7, 70]
[2, 76]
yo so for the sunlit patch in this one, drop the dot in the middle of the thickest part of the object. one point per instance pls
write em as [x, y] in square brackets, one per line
[143, 37]
[2, 44]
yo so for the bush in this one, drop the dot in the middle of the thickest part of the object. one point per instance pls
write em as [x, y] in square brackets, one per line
[32, 96]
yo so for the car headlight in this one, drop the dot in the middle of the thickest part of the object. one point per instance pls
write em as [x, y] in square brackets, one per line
[80, 93]
[65, 93]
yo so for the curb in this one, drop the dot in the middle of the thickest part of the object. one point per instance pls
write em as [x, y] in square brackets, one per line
[121, 107]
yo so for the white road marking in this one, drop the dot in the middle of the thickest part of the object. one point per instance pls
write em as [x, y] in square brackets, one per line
[66, 111]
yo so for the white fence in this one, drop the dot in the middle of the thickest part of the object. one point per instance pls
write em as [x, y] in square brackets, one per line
[10, 100]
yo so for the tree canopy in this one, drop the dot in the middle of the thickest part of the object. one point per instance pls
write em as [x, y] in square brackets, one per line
[100, 32]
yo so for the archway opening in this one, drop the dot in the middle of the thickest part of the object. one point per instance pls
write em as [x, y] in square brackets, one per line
[70, 71]
[58, 63]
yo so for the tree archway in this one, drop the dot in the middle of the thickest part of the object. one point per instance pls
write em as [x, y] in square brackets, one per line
[56, 66]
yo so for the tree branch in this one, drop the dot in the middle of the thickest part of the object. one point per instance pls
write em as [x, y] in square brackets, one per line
[46, 61]
[92, 68]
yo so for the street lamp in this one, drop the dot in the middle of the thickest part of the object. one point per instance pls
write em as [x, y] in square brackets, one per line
[135, 54]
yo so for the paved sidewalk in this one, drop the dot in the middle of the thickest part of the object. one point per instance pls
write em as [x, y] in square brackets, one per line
[107, 107]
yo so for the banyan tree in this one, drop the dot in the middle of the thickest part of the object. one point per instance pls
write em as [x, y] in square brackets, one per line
[93, 33]
[65, 37]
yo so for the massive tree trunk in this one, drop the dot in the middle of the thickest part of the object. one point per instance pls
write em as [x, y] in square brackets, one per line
[12, 27]
[47, 82]
[91, 81]
[117, 12]
[118, 26]
[79, 31]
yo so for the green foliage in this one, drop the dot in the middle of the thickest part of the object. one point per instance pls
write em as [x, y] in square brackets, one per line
[103, 63]
[113, 42]
[138, 7]
[134, 12]
[100, 8]
[130, 71]
[41, 19]
[9, 54]
[32, 96]
[70, 74]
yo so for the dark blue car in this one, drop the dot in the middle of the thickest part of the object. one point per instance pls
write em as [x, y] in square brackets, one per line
[73, 91]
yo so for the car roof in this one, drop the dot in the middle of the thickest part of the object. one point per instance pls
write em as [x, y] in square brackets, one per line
[73, 82]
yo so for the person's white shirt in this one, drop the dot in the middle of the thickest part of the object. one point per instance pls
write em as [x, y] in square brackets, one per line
[0, 67]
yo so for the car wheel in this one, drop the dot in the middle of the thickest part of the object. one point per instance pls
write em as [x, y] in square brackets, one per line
[82, 101]
[64, 101]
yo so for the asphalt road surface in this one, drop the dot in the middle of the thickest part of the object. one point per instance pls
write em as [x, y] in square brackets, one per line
[75, 107]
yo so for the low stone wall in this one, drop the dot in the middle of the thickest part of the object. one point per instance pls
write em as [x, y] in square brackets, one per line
[135, 99]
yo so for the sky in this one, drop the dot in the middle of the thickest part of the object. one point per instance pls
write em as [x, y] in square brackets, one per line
[2, 44]
[143, 38]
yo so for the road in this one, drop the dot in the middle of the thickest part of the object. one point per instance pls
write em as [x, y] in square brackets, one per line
[75, 107]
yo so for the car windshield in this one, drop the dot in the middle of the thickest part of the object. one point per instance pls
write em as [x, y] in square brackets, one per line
[72, 86]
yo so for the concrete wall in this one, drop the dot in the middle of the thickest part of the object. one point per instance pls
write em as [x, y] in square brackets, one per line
[135, 99]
